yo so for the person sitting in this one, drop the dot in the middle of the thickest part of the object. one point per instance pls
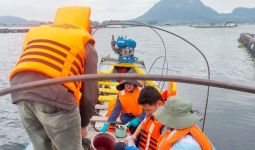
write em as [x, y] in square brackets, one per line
[149, 129]
[182, 132]
[126, 105]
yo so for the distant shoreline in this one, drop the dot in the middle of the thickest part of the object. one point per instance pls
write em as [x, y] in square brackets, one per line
[16, 30]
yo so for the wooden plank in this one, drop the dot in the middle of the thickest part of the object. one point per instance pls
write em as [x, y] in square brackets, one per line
[103, 98]
[103, 72]
[111, 91]
[101, 119]
[98, 106]
[108, 83]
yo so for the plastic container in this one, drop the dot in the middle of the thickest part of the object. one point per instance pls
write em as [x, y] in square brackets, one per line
[120, 131]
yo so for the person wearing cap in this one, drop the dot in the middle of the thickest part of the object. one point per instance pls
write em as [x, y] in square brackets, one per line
[183, 133]
[126, 105]
[65, 48]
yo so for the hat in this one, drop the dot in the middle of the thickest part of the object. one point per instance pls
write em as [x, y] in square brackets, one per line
[120, 87]
[177, 114]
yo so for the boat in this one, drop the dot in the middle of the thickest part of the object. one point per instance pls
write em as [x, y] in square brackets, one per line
[125, 63]
[112, 69]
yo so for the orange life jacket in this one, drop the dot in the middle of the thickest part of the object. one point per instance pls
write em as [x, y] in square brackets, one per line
[169, 138]
[150, 133]
[112, 129]
[170, 91]
[129, 102]
[57, 50]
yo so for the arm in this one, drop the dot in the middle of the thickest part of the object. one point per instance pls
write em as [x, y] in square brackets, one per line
[138, 130]
[142, 116]
[89, 88]
[116, 111]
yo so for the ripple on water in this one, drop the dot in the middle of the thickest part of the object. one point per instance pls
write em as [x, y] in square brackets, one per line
[13, 146]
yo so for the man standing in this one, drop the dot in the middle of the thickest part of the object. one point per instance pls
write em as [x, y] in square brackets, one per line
[51, 114]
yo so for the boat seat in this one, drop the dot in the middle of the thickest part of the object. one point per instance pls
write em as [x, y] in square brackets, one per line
[108, 83]
[103, 72]
[102, 98]
[102, 107]
[108, 90]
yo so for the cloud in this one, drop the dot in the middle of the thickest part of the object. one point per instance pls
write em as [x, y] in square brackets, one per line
[119, 9]
[101, 9]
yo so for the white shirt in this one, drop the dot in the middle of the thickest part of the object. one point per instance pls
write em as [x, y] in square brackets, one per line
[188, 142]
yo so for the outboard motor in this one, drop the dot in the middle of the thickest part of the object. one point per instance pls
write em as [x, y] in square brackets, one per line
[125, 49]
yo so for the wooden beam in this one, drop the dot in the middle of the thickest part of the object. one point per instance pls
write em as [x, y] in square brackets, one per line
[102, 119]
[105, 90]
[98, 106]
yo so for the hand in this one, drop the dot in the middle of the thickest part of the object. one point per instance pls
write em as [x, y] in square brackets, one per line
[84, 132]
[125, 141]
[133, 137]
[104, 128]
[131, 148]
[135, 122]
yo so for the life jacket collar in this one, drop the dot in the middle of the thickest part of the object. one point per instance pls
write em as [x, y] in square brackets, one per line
[77, 16]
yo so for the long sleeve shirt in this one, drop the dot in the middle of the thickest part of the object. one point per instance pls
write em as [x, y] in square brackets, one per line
[57, 95]
[116, 111]
[89, 88]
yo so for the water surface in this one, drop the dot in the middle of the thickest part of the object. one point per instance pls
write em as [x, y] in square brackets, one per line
[230, 121]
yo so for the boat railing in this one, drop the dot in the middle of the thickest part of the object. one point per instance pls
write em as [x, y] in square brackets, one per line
[154, 77]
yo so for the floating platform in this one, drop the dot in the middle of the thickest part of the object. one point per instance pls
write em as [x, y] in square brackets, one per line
[213, 25]
[248, 41]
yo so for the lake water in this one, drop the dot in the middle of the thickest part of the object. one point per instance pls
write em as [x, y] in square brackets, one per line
[230, 121]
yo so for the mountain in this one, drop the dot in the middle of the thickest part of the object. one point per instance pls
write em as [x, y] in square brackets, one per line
[241, 15]
[11, 20]
[193, 11]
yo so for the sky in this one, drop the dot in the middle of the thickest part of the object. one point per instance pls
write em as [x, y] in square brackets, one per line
[44, 10]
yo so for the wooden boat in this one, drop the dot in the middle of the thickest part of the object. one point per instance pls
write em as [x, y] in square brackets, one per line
[109, 65]
[125, 63]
